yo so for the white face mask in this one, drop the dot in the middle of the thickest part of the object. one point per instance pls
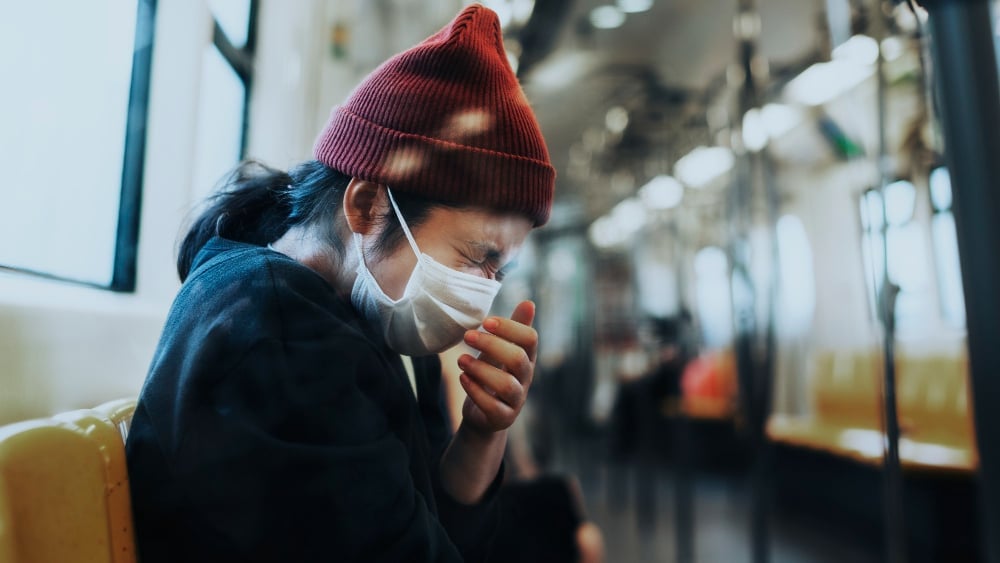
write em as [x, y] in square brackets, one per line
[438, 305]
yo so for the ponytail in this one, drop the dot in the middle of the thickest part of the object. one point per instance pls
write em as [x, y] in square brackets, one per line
[250, 207]
[258, 204]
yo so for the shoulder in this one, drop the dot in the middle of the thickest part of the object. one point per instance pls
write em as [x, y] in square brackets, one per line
[240, 296]
[252, 280]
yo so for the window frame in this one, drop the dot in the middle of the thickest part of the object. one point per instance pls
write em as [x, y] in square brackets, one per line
[123, 277]
[241, 59]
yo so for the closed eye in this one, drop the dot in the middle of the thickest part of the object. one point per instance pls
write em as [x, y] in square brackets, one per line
[506, 270]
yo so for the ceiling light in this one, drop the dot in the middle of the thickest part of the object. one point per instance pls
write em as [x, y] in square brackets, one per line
[860, 49]
[634, 6]
[607, 17]
[779, 119]
[662, 192]
[561, 70]
[703, 165]
[616, 119]
[823, 82]
[629, 216]
[604, 234]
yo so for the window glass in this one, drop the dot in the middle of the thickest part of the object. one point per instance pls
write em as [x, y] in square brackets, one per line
[940, 183]
[949, 270]
[797, 281]
[900, 202]
[67, 75]
[220, 122]
[712, 294]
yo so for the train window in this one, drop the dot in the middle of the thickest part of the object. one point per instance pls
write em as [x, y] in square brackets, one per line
[712, 294]
[72, 142]
[226, 74]
[796, 276]
[945, 241]
[893, 243]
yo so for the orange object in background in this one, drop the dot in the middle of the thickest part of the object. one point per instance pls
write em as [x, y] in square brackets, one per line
[708, 385]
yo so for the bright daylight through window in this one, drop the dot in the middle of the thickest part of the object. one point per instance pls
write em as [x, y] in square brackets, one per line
[71, 144]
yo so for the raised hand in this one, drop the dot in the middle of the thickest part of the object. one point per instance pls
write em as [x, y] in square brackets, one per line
[497, 382]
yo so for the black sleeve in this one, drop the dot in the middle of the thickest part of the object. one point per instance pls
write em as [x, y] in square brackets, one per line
[281, 456]
[471, 527]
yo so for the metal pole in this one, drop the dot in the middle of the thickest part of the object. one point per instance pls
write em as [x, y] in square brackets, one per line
[755, 336]
[892, 477]
[965, 73]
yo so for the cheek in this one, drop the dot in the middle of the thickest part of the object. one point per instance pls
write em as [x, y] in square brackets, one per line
[394, 272]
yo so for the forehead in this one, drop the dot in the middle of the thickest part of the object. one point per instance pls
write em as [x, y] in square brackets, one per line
[503, 231]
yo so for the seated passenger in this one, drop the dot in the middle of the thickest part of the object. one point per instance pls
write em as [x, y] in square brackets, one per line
[279, 421]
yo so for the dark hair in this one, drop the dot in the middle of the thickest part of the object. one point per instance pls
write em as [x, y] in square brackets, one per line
[257, 204]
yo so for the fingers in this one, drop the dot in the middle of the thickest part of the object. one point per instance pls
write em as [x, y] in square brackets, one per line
[524, 313]
[508, 350]
[516, 330]
[499, 414]
[497, 381]
[500, 384]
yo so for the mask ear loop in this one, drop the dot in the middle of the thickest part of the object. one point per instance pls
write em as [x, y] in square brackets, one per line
[402, 223]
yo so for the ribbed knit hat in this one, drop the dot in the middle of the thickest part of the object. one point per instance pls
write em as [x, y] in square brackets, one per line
[446, 120]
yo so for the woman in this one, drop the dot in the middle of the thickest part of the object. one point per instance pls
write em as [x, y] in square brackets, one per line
[283, 418]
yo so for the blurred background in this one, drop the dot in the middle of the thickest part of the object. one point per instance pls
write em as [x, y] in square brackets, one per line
[754, 340]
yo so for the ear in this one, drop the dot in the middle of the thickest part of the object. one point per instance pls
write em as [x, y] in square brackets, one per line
[365, 205]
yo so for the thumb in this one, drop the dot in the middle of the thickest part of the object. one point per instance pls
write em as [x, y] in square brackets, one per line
[524, 313]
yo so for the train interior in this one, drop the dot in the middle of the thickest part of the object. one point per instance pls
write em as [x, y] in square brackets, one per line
[763, 310]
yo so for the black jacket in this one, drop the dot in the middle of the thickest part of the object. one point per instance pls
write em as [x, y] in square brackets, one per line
[275, 425]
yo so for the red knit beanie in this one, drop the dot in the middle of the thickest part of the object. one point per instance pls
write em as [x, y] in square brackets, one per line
[446, 120]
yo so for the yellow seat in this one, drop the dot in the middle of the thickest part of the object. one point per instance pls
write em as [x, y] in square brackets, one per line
[109, 438]
[932, 401]
[64, 491]
[120, 413]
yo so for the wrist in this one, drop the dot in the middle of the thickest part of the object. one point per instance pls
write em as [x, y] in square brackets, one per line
[482, 437]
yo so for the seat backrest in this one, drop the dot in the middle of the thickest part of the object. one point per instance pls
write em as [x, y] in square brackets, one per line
[119, 412]
[110, 441]
[52, 489]
[845, 389]
[938, 411]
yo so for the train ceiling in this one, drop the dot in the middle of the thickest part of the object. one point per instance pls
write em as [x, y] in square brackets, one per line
[661, 70]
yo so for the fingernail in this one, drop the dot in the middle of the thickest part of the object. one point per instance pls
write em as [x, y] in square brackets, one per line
[463, 362]
[471, 336]
[490, 324]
